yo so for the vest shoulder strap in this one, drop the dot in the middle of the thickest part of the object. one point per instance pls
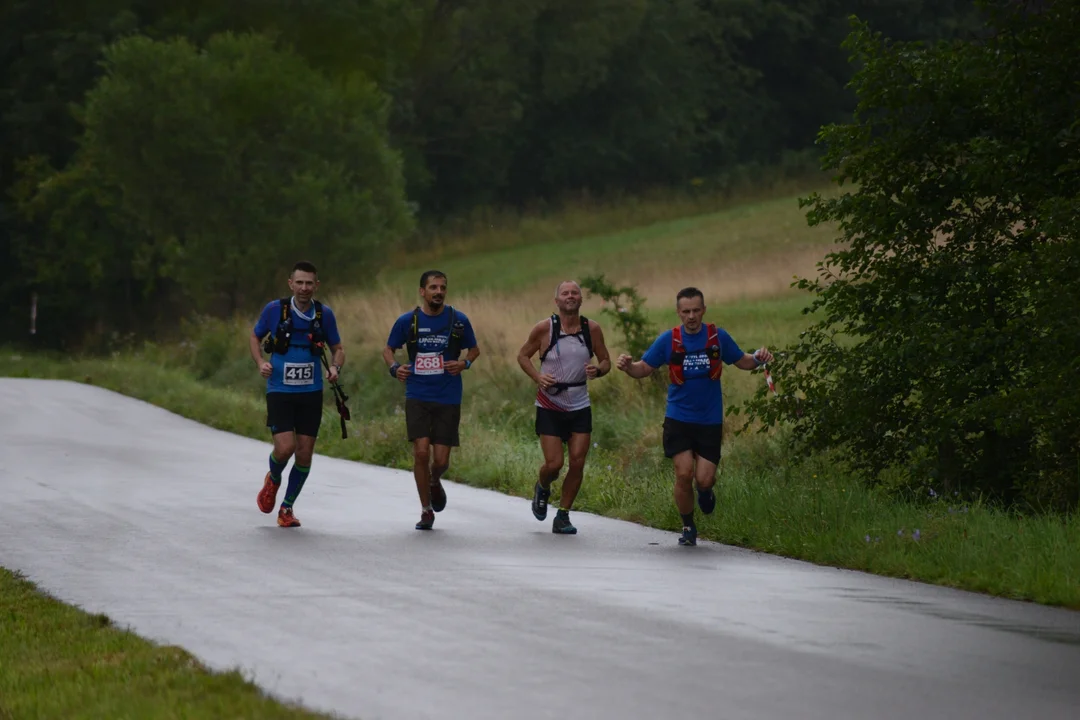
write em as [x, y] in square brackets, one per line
[586, 334]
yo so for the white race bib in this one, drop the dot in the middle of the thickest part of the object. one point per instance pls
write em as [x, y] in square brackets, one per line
[299, 373]
[428, 364]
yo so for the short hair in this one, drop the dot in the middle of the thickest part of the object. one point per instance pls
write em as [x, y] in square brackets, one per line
[431, 274]
[559, 286]
[690, 292]
[304, 266]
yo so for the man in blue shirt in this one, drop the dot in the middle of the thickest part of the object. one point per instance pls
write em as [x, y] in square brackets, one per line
[434, 335]
[693, 422]
[294, 328]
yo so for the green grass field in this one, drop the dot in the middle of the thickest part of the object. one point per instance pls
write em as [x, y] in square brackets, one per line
[744, 259]
[59, 662]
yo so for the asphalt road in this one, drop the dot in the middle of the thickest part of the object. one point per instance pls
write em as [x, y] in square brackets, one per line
[123, 508]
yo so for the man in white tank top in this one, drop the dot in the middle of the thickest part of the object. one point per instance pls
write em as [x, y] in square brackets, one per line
[567, 343]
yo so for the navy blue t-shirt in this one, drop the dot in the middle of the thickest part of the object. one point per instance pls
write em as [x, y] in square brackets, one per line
[699, 399]
[298, 370]
[429, 381]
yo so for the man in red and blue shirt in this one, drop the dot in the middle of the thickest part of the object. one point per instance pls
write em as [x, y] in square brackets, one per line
[694, 353]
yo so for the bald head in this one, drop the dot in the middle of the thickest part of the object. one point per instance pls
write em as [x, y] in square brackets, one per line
[558, 290]
[568, 297]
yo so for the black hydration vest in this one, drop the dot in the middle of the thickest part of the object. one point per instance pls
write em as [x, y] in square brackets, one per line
[453, 345]
[281, 339]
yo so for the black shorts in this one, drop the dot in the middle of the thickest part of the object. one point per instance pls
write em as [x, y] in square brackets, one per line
[299, 412]
[563, 424]
[438, 422]
[703, 440]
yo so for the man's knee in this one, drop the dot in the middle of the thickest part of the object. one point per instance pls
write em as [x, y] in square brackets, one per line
[577, 462]
[284, 447]
[421, 454]
[552, 466]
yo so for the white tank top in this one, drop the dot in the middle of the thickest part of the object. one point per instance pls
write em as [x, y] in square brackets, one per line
[566, 362]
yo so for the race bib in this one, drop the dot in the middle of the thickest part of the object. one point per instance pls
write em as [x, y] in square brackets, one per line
[428, 364]
[299, 373]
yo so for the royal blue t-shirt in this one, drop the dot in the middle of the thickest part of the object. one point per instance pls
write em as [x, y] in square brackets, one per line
[298, 370]
[429, 381]
[699, 399]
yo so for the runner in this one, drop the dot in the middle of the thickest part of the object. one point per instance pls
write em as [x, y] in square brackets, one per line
[693, 421]
[567, 342]
[292, 327]
[434, 335]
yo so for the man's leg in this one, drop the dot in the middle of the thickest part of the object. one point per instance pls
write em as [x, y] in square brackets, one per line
[305, 449]
[308, 420]
[684, 495]
[439, 464]
[418, 423]
[284, 446]
[422, 470]
[552, 448]
[705, 478]
[577, 449]
[445, 421]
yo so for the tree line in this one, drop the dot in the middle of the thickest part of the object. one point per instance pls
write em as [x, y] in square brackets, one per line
[167, 156]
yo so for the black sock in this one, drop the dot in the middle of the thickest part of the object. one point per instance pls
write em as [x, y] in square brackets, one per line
[688, 520]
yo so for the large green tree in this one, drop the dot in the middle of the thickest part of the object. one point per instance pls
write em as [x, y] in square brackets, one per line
[220, 167]
[945, 343]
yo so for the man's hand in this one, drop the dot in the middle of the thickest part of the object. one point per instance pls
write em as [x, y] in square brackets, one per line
[332, 373]
[763, 355]
[591, 371]
[266, 369]
[545, 381]
[454, 367]
[623, 362]
[403, 372]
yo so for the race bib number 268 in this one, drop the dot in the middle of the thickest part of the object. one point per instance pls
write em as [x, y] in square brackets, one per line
[428, 364]
[299, 373]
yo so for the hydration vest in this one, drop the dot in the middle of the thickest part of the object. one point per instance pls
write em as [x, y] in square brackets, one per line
[280, 341]
[678, 354]
[453, 345]
[556, 328]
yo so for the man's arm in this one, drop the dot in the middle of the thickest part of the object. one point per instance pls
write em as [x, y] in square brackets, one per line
[603, 357]
[336, 362]
[255, 346]
[636, 370]
[530, 348]
[755, 360]
[401, 372]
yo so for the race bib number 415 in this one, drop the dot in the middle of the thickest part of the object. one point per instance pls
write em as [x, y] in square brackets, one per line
[428, 364]
[299, 373]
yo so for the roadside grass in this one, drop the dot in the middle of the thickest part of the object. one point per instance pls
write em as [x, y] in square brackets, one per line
[57, 661]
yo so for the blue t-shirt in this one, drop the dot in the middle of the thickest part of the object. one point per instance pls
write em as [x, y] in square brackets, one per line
[699, 399]
[429, 381]
[298, 370]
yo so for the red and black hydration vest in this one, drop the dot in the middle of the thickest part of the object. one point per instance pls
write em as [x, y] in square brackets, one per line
[678, 354]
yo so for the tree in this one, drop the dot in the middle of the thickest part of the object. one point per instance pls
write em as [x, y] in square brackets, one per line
[945, 338]
[229, 164]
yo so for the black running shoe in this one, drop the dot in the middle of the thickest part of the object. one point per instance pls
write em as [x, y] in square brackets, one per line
[689, 536]
[540, 502]
[706, 500]
[561, 524]
[438, 497]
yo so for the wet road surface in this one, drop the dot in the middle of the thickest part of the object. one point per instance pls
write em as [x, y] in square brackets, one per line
[123, 508]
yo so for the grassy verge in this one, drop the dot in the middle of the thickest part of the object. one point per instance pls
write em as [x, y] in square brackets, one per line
[57, 661]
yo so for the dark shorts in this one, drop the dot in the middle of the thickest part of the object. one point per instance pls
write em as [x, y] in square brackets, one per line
[437, 422]
[299, 412]
[703, 440]
[563, 424]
